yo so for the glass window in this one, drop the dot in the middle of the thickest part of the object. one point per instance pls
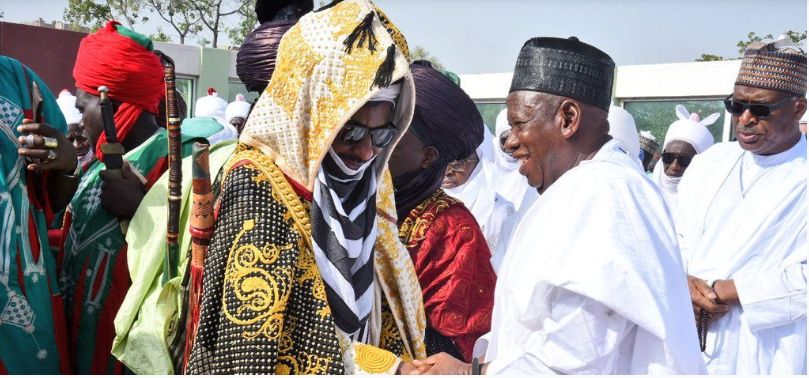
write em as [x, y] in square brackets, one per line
[185, 86]
[657, 116]
[236, 87]
[489, 112]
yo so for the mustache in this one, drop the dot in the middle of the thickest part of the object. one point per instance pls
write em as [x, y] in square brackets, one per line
[742, 129]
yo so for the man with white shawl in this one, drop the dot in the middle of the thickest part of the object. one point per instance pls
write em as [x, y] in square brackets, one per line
[742, 222]
[686, 137]
[623, 129]
[474, 182]
[236, 112]
[590, 283]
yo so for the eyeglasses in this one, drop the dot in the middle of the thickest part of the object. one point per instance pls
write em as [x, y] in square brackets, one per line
[352, 134]
[669, 158]
[460, 165]
[760, 111]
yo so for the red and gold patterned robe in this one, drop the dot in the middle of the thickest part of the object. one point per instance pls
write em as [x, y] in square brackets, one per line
[457, 280]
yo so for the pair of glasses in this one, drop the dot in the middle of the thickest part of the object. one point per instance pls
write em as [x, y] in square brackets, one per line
[760, 111]
[669, 158]
[352, 134]
[460, 165]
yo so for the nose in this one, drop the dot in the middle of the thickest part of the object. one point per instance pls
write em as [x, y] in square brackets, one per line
[511, 142]
[76, 144]
[364, 150]
[747, 118]
[675, 165]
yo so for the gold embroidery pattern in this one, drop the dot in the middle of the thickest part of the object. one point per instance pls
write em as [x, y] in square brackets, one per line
[374, 360]
[263, 295]
[398, 276]
[414, 228]
[398, 37]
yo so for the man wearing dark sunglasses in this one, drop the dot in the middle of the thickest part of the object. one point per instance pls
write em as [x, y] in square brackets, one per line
[742, 222]
[686, 137]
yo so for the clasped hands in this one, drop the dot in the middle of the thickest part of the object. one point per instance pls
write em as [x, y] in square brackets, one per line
[437, 364]
[716, 301]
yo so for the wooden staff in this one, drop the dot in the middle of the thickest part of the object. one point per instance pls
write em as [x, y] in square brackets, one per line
[202, 225]
[113, 151]
[173, 122]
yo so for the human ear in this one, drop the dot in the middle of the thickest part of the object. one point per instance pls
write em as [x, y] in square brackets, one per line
[800, 108]
[429, 156]
[569, 115]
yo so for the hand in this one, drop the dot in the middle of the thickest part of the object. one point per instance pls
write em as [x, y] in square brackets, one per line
[121, 196]
[726, 292]
[441, 364]
[66, 159]
[704, 298]
[405, 368]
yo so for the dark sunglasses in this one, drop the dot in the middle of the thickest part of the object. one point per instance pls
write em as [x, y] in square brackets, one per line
[352, 134]
[669, 158]
[737, 108]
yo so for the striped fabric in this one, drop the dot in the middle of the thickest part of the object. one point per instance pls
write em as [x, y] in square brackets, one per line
[343, 232]
[777, 65]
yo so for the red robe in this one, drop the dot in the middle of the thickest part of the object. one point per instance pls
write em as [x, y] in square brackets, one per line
[451, 258]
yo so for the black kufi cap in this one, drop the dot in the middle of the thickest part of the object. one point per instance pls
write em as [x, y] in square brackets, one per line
[565, 67]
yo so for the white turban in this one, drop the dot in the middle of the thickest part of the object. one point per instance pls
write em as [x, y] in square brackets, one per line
[210, 106]
[389, 94]
[67, 103]
[690, 129]
[623, 129]
[238, 108]
[501, 124]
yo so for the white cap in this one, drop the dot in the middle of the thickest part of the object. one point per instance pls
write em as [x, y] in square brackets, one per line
[67, 103]
[237, 108]
[690, 129]
[211, 105]
[623, 129]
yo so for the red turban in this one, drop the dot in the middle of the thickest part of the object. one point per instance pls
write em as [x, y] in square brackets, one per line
[131, 71]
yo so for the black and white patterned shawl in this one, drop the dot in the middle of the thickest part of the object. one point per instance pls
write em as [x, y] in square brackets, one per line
[343, 232]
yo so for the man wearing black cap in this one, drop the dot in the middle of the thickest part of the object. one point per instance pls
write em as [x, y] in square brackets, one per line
[443, 238]
[592, 281]
[742, 222]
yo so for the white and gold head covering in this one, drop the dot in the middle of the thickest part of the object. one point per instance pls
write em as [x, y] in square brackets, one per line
[329, 65]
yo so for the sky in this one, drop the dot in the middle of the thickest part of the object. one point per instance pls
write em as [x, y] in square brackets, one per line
[484, 36]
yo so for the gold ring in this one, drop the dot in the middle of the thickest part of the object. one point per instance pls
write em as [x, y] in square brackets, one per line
[51, 155]
[51, 143]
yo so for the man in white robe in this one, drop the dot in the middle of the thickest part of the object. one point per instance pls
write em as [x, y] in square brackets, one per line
[742, 222]
[477, 190]
[685, 138]
[591, 281]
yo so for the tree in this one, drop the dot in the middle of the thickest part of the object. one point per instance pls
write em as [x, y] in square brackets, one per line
[248, 22]
[160, 36]
[179, 14]
[212, 13]
[796, 37]
[96, 13]
[420, 53]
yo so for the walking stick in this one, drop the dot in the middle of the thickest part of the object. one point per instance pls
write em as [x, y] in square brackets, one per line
[201, 227]
[175, 170]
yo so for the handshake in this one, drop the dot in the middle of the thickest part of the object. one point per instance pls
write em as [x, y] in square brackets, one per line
[439, 364]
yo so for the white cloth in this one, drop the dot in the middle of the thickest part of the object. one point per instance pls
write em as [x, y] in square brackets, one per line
[622, 128]
[511, 185]
[228, 132]
[210, 106]
[237, 108]
[591, 283]
[668, 186]
[389, 94]
[743, 216]
[67, 104]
